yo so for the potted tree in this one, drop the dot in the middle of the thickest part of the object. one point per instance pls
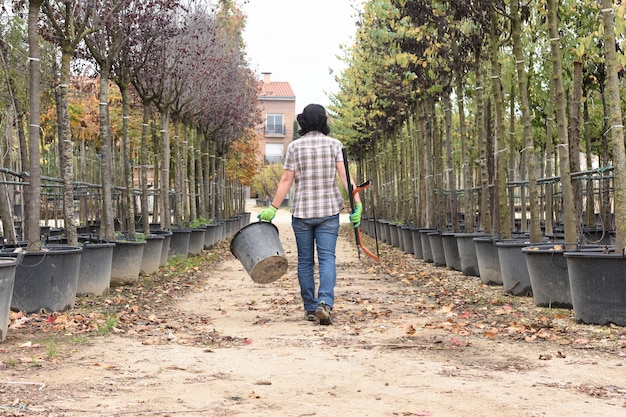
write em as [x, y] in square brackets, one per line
[598, 279]
[46, 278]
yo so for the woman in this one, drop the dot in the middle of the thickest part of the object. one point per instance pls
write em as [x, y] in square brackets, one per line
[311, 165]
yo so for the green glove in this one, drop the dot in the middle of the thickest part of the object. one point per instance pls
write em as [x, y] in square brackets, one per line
[355, 217]
[267, 214]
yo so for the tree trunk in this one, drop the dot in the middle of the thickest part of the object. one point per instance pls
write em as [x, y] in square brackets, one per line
[156, 194]
[429, 162]
[485, 207]
[465, 160]
[145, 213]
[511, 167]
[616, 122]
[569, 213]
[127, 164]
[166, 216]
[108, 227]
[574, 134]
[66, 147]
[605, 183]
[178, 177]
[192, 175]
[529, 145]
[6, 211]
[200, 176]
[590, 220]
[33, 201]
[423, 169]
[503, 226]
[447, 110]
[549, 172]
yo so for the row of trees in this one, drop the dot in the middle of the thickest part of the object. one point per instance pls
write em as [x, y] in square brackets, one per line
[487, 94]
[175, 68]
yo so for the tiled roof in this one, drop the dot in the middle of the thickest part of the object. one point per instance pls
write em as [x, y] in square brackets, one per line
[275, 89]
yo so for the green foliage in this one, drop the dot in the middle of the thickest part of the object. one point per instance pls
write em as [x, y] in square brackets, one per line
[266, 183]
[200, 221]
[53, 349]
[109, 324]
[138, 237]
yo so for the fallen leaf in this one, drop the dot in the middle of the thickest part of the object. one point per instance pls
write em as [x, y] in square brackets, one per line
[465, 315]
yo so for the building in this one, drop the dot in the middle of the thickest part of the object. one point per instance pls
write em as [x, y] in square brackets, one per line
[278, 107]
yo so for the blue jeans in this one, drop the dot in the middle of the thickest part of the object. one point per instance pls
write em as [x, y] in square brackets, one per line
[321, 232]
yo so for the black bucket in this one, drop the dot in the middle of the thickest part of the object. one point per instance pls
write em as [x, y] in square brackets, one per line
[259, 250]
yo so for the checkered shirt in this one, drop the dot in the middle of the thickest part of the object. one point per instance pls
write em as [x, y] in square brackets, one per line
[313, 159]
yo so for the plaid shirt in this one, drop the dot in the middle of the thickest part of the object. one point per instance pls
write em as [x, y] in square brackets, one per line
[313, 159]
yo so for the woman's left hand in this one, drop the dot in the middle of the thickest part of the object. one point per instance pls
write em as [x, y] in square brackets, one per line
[355, 217]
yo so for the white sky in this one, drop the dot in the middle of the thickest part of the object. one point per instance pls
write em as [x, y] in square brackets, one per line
[298, 41]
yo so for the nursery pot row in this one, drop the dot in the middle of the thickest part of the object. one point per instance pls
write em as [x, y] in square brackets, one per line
[590, 279]
[48, 280]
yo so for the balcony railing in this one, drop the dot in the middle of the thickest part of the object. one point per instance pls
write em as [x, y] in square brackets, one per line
[275, 130]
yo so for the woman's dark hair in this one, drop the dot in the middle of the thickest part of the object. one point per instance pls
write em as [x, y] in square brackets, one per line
[313, 118]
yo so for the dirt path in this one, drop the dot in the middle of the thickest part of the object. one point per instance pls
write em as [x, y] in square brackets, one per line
[384, 356]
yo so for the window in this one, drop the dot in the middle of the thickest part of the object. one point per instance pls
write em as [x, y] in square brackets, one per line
[274, 124]
[274, 153]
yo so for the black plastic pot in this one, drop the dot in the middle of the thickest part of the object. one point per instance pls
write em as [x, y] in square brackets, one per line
[394, 235]
[436, 248]
[407, 240]
[513, 268]
[598, 285]
[488, 260]
[549, 278]
[467, 253]
[7, 279]
[427, 253]
[167, 237]
[451, 251]
[94, 274]
[179, 244]
[126, 262]
[196, 241]
[417, 243]
[46, 280]
[257, 246]
[151, 257]
[211, 236]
